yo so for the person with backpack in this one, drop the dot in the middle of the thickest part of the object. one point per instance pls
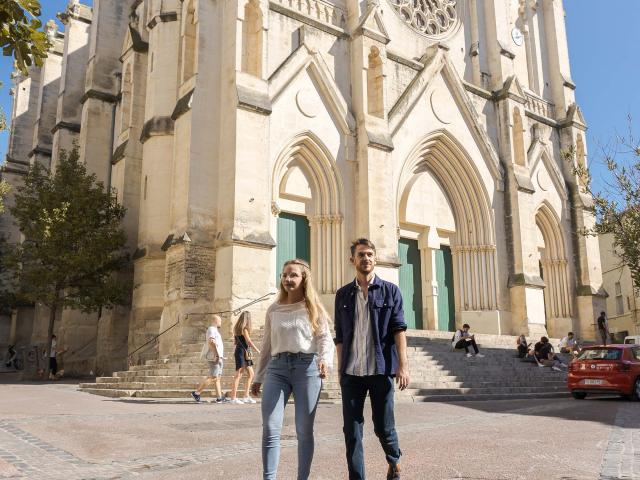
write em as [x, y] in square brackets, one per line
[213, 353]
[243, 356]
[463, 339]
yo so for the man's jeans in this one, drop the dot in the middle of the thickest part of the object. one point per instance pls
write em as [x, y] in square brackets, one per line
[354, 392]
[287, 373]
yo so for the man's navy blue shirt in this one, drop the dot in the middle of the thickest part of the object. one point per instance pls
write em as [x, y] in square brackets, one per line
[386, 316]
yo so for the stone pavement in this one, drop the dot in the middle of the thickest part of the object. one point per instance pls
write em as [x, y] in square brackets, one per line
[52, 431]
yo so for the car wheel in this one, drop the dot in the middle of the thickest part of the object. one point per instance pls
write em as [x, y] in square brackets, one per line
[635, 395]
[579, 395]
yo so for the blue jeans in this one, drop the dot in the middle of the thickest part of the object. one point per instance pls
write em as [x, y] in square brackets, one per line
[287, 373]
[354, 392]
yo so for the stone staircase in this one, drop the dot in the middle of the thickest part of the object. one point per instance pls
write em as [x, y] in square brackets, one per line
[437, 373]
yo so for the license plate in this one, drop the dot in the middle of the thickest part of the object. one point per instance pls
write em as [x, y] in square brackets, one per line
[593, 381]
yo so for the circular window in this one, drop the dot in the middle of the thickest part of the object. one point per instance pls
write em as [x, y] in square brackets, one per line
[435, 18]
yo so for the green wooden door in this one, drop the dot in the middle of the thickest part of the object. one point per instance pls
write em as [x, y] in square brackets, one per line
[293, 240]
[411, 281]
[446, 301]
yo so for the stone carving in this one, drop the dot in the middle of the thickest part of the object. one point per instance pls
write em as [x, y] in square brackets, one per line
[430, 17]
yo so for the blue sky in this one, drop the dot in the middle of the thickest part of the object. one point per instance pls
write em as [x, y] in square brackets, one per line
[604, 61]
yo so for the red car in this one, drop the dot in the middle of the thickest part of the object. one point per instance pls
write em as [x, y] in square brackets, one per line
[606, 369]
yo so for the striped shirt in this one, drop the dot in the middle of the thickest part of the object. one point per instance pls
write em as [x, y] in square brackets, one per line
[362, 360]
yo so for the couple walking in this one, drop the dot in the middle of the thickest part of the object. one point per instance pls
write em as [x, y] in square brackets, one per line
[298, 351]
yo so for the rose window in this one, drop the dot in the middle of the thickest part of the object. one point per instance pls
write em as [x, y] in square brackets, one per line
[430, 17]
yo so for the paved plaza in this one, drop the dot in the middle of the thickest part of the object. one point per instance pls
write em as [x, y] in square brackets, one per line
[52, 431]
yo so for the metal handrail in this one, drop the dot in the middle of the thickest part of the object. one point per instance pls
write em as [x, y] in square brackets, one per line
[234, 312]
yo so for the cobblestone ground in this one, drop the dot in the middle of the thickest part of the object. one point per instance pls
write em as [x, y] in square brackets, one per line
[53, 431]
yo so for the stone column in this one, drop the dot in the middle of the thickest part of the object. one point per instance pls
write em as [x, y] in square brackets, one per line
[376, 215]
[156, 175]
[77, 21]
[47, 104]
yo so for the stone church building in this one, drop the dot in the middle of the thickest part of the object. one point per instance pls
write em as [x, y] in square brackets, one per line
[241, 133]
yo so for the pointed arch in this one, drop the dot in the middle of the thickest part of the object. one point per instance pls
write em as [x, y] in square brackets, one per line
[473, 244]
[307, 153]
[554, 264]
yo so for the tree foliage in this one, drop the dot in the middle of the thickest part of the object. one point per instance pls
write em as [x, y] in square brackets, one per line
[617, 206]
[20, 33]
[4, 189]
[74, 243]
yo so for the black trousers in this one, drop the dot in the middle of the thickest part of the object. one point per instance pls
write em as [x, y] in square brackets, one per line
[522, 351]
[464, 343]
[53, 365]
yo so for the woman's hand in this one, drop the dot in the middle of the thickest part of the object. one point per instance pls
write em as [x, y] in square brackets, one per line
[322, 366]
[255, 389]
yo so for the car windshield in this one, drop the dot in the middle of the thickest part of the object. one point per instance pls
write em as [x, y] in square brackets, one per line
[600, 354]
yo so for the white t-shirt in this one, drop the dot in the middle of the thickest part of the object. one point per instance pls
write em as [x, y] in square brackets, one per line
[567, 342]
[54, 346]
[212, 332]
[287, 329]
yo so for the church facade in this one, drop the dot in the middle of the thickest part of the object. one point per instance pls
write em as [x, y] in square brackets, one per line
[241, 133]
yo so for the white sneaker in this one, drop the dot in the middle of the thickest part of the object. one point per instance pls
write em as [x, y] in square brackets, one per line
[479, 355]
[469, 355]
[557, 369]
[236, 401]
[248, 400]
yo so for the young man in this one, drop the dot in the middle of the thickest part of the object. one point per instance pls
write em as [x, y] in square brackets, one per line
[372, 350]
[567, 343]
[463, 339]
[546, 357]
[53, 358]
[603, 327]
[213, 353]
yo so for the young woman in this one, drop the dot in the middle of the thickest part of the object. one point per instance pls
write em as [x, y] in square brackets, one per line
[297, 352]
[242, 355]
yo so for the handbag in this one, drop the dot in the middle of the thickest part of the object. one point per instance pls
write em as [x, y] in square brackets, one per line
[248, 355]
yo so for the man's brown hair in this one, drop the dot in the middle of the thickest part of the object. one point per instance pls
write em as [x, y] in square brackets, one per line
[362, 241]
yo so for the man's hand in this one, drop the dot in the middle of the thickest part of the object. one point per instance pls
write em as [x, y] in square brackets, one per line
[255, 389]
[402, 377]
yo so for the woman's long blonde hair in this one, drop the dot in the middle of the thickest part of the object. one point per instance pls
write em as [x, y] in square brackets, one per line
[243, 323]
[311, 299]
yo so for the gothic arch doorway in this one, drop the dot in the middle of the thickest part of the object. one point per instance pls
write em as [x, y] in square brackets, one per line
[306, 187]
[455, 233]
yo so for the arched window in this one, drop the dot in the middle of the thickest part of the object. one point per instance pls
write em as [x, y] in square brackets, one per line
[189, 43]
[375, 84]
[518, 138]
[126, 99]
[252, 39]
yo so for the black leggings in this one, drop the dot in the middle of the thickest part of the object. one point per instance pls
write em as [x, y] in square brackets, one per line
[464, 343]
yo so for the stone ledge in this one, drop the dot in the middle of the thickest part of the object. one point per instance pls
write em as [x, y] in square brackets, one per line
[160, 125]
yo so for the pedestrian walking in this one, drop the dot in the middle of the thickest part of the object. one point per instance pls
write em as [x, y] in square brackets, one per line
[603, 327]
[213, 353]
[243, 356]
[296, 355]
[372, 350]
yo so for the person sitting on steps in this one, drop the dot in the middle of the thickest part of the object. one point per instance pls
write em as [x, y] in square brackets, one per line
[522, 346]
[463, 339]
[546, 357]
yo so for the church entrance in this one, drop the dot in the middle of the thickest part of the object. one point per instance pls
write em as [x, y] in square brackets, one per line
[293, 240]
[411, 281]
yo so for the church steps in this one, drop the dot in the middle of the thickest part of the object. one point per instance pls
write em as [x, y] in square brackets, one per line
[438, 373]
